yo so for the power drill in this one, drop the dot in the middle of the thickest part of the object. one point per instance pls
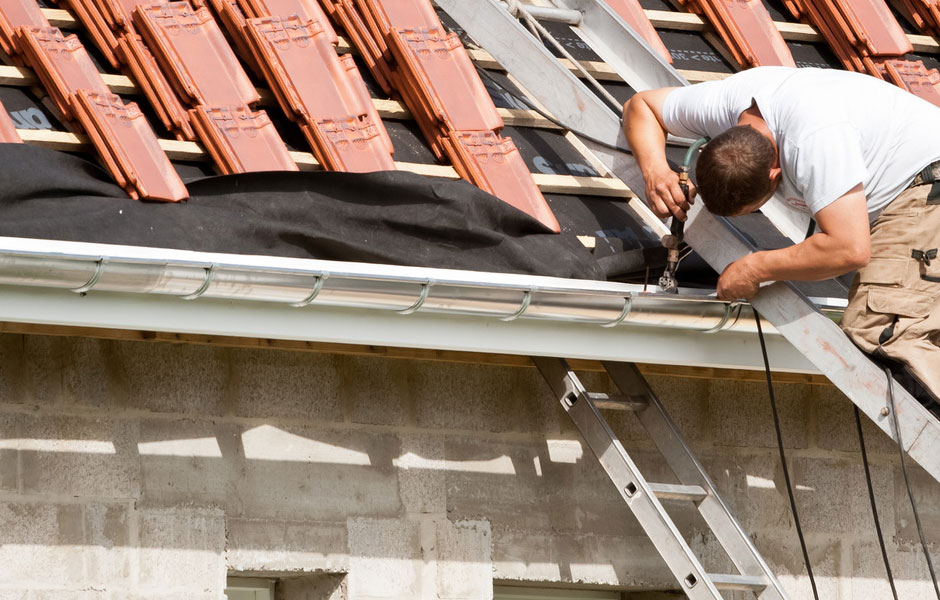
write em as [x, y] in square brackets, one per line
[672, 240]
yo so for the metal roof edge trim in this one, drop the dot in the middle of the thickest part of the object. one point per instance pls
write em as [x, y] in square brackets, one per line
[125, 287]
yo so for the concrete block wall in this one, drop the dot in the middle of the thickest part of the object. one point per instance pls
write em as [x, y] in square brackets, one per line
[153, 470]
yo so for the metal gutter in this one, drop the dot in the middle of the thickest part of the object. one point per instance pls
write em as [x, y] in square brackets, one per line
[125, 287]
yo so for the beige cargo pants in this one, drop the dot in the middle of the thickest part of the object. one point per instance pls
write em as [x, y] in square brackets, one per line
[894, 303]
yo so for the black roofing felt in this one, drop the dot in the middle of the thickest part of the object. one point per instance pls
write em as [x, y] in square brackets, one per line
[390, 217]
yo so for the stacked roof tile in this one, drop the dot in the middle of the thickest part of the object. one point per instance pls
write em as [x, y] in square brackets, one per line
[409, 50]
[746, 29]
[867, 38]
[8, 133]
[924, 14]
[292, 44]
[124, 140]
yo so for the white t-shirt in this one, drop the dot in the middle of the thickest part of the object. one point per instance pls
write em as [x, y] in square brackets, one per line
[833, 129]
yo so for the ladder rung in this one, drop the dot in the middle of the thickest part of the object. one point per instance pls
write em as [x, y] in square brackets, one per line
[673, 491]
[745, 583]
[617, 401]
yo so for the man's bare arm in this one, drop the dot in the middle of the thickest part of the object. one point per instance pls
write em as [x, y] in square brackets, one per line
[842, 244]
[646, 134]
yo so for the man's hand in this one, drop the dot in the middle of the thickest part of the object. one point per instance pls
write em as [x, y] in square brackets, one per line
[646, 135]
[739, 281]
[664, 194]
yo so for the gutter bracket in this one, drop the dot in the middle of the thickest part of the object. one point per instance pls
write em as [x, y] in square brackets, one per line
[627, 307]
[725, 318]
[210, 271]
[425, 290]
[526, 300]
[99, 269]
[317, 287]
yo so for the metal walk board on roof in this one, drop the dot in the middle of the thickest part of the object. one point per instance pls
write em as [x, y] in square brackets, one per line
[747, 30]
[321, 91]
[633, 15]
[811, 332]
[608, 35]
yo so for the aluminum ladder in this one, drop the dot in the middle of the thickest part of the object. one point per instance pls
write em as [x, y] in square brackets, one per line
[491, 24]
[643, 497]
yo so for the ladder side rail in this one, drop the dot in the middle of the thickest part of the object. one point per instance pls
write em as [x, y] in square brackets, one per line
[687, 468]
[553, 85]
[825, 345]
[630, 483]
[527, 59]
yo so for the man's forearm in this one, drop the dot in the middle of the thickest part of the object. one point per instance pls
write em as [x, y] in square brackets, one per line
[843, 244]
[816, 258]
[645, 135]
[813, 259]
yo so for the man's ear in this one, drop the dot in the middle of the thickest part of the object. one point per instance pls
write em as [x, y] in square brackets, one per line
[776, 174]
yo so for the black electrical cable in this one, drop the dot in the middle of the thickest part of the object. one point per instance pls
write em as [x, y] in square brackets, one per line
[783, 457]
[547, 116]
[874, 507]
[907, 482]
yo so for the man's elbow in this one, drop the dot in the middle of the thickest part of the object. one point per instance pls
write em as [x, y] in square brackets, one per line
[857, 256]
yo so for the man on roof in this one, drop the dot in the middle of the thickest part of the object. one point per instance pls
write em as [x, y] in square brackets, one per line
[860, 154]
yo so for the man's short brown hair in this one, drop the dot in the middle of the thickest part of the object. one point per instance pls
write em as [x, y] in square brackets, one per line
[733, 170]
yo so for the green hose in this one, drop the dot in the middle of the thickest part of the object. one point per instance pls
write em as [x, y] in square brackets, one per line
[691, 151]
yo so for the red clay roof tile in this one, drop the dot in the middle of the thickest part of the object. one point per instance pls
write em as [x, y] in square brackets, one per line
[323, 92]
[18, 13]
[128, 147]
[8, 133]
[240, 140]
[747, 30]
[192, 51]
